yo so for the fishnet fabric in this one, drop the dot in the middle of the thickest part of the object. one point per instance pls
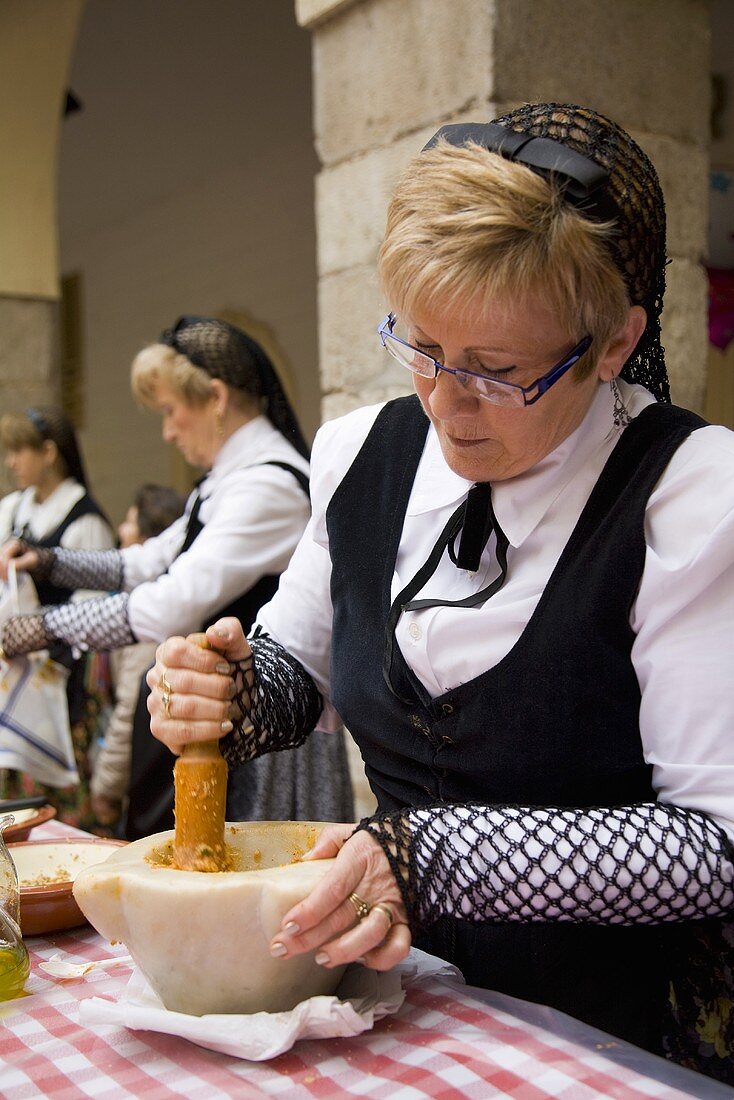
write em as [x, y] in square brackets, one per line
[99, 624]
[643, 864]
[25, 634]
[276, 704]
[638, 243]
[226, 352]
[93, 569]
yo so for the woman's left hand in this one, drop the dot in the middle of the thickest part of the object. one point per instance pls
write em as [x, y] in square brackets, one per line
[328, 921]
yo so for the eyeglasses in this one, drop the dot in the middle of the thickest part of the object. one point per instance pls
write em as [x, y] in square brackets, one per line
[491, 389]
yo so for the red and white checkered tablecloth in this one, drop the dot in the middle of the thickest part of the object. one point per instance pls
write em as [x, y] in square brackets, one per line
[444, 1042]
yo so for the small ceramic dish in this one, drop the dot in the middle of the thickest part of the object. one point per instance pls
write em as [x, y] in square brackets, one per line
[46, 872]
[25, 820]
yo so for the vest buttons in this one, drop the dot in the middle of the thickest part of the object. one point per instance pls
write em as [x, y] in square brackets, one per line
[420, 725]
[447, 708]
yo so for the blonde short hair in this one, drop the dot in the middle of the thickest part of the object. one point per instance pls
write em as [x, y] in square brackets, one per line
[466, 224]
[157, 365]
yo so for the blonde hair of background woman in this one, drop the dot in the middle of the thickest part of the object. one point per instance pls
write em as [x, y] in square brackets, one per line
[158, 364]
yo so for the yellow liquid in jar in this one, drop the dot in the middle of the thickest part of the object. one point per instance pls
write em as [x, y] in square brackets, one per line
[14, 970]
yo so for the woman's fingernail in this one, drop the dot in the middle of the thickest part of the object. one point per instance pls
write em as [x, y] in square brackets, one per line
[292, 928]
[223, 668]
[277, 950]
[322, 958]
[361, 960]
[226, 726]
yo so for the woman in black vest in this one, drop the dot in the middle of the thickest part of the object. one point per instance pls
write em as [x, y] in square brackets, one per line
[223, 406]
[53, 508]
[517, 591]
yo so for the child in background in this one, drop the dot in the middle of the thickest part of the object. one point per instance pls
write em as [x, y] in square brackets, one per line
[153, 510]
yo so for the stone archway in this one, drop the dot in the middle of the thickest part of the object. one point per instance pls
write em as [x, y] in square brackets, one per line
[36, 42]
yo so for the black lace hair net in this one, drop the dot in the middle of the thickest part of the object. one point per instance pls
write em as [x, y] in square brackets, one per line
[226, 352]
[625, 189]
[51, 423]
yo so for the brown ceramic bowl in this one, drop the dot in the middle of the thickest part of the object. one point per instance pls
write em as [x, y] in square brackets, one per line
[25, 820]
[46, 900]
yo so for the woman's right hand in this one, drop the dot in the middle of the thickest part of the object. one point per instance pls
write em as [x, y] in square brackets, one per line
[198, 684]
[24, 556]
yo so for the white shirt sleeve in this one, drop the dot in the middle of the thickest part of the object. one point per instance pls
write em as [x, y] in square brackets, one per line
[299, 616]
[252, 523]
[684, 621]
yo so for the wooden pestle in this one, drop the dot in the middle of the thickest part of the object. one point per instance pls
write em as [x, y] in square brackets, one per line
[200, 794]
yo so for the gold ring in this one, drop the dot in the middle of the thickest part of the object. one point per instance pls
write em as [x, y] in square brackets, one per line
[386, 910]
[166, 692]
[361, 908]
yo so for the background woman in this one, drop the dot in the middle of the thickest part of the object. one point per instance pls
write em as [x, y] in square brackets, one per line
[517, 591]
[52, 507]
[224, 408]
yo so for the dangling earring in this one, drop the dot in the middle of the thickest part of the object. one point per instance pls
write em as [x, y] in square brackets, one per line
[220, 425]
[620, 413]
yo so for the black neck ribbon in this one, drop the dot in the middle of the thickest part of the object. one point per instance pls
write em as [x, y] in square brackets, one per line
[475, 520]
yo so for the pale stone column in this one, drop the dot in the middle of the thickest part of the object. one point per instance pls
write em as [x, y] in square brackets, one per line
[36, 41]
[387, 73]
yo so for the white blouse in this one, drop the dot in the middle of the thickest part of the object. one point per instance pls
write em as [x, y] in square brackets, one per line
[253, 516]
[21, 510]
[683, 617]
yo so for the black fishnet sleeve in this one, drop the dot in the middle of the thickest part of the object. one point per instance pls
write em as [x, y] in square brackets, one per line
[91, 624]
[643, 864]
[99, 570]
[277, 703]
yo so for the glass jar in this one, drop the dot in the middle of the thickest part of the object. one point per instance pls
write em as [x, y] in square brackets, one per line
[14, 961]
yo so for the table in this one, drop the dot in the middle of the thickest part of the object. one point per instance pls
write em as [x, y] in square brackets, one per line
[447, 1041]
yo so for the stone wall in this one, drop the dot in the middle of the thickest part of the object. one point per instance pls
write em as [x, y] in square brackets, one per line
[35, 48]
[29, 361]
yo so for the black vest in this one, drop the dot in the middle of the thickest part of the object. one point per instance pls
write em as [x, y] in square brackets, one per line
[50, 593]
[555, 723]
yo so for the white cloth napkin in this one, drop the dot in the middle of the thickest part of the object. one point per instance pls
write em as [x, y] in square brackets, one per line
[363, 997]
